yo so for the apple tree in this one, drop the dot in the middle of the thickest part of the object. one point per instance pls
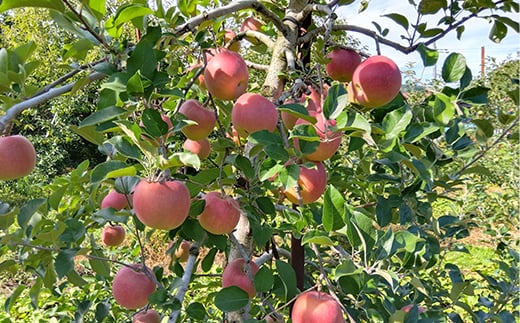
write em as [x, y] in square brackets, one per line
[273, 155]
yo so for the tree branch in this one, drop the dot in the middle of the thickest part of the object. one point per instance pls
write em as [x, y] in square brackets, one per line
[16, 109]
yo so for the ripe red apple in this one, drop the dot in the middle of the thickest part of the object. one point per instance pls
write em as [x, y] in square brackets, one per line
[183, 251]
[220, 214]
[147, 316]
[342, 64]
[114, 200]
[226, 75]
[329, 140]
[17, 157]
[235, 275]
[376, 82]
[312, 184]
[314, 306]
[161, 205]
[131, 287]
[229, 35]
[201, 148]
[253, 112]
[113, 235]
[205, 119]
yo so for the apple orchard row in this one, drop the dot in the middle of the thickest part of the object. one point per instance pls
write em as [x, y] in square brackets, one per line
[370, 83]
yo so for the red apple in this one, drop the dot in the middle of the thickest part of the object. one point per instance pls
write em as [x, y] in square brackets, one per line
[316, 306]
[161, 205]
[205, 119]
[329, 140]
[229, 35]
[253, 112]
[342, 64]
[220, 214]
[131, 287]
[114, 200]
[147, 316]
[113, 235]
[235, 275]
[17, 157]
[201, 148]
[183, 251]
[312, 184]
[376, 82]
[226, 75]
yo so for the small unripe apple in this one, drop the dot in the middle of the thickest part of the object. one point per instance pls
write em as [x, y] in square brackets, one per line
[235, 274]
[253, 112]
[201, 148]
[114, 200]
[376, 82]
[312, 184]
[220, 214]
[17, 157]
[226, 75]
[113, 235]
[131, 287]
[342, 64]
[148, 316]
[205, 119]
[314, 306]
[161, 205]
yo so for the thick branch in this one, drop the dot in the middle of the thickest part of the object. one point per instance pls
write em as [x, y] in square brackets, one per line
[39, 99]
[232, 7]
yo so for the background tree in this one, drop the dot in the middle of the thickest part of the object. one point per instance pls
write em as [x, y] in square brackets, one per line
[375, 238]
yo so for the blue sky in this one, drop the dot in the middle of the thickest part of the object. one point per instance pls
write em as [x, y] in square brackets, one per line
[474, 37]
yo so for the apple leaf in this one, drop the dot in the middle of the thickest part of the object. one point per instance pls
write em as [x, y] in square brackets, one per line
[428, 56]
[333, 209]
[264, 279]
[297, 110]
[231, 299]
[454, 67]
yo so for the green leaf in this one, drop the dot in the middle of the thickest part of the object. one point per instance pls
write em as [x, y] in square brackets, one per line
[443, 109]
[102, 115]
[384, 209]
[497, 32]
[50, 4]
[454, 67]
[23, 52]
[287, 275]
[244, 164]
[428, 56]
[89, 133]
[335, 102]
[78, 49]
[64, 262]
[98, 8]
[417, 131]
[34, 292]
[318, 237]
[28, 210]
[430, 7]
[128, 12]
[277, 152]
[231, 299]
[297, 110]
[153, 123]
[75, 231]
[6, 216]
[264, 279]
[124, 147]
[181, 159]
[399, 19]
[196, 311]
[101, 267]
[9, 303]
[265, 138]
[333, 209]
[209, 259]
[99, 173]
[476, 95]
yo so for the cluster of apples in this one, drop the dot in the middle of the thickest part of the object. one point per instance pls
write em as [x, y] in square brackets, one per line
[17, 157]
[372, 83]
